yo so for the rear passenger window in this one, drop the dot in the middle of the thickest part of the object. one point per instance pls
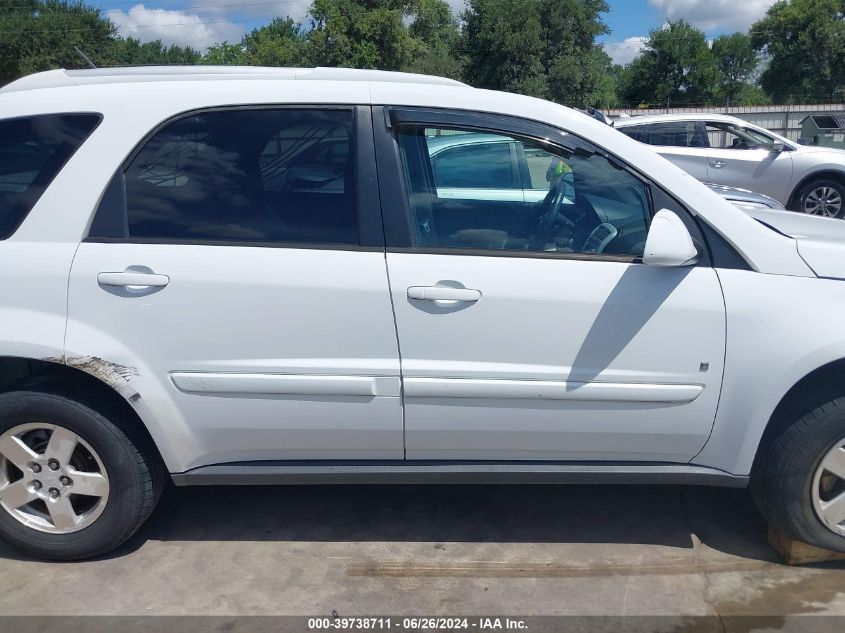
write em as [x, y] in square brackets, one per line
[636, 132]
[677, 134]
[32, 151]
[249, 175]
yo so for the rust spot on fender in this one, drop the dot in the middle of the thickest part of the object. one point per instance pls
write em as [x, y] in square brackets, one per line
[108, 372]
[111, 373]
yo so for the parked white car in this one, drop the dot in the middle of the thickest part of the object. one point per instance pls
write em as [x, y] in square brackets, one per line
[225, 276]
[729, 151]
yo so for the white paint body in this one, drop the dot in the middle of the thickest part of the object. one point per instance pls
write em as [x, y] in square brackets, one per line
[249, 353]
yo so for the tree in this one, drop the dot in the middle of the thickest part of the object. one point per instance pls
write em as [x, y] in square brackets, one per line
[736, 61]
[804, 43]
[131, 52]
[437, 39]
[503, 43]
[280, 43]
[361, 33]
[544, 48]
[676, 66]
[225, 54]
[43, 35]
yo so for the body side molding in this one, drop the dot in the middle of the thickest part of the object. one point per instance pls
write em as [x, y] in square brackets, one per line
[549, 390]
[285, 384]
[439, 472]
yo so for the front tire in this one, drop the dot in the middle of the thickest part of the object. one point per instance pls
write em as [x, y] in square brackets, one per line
[798, 480]
[73, 484]
[823, 197]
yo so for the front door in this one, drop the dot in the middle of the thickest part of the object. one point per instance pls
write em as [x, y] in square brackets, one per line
[234, 283]
[743, 157]
[531, 330]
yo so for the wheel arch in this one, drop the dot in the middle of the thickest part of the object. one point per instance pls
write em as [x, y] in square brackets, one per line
[814, 389]
[822, 174]
[90, 383]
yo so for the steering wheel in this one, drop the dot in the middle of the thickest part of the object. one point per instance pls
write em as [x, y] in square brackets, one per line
[549, 220]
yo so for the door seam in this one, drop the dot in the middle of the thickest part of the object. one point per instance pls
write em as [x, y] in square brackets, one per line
[390, 287]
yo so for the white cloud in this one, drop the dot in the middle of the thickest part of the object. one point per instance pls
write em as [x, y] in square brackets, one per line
[624, 52]
[175, 27]
[710, 15]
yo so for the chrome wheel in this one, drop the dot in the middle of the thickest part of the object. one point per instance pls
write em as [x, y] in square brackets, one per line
[825, 201]
[829, 489]
[51, 479]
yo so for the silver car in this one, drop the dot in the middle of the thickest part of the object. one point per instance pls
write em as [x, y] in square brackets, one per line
[523, 175]
[730, 151]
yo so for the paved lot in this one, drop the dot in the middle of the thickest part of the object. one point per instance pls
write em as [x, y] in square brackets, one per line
[363, 550]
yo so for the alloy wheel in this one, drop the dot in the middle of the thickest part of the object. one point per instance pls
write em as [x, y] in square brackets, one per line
[51, 479]
[829, 489]
[824, 201]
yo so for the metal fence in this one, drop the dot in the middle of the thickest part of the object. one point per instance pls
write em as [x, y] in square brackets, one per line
[784, 120]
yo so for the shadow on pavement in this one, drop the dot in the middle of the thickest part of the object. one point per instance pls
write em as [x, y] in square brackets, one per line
[723, 519]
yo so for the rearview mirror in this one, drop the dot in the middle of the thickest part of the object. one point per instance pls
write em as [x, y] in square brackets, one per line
[669, 242]
[778, 147]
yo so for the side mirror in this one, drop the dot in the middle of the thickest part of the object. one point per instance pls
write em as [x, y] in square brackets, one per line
[778, 147]
[669, 242]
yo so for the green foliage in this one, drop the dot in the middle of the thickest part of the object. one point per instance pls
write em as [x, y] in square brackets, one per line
[361, 33]
[225, 54]
[736, 61]
[544, 48]
[36, 36]
[675, 67]
[131, 52]
[437, 39]
[280, 43]
[804, 41]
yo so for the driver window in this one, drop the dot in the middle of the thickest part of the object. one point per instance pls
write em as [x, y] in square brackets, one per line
[730, 136]
[506, 193]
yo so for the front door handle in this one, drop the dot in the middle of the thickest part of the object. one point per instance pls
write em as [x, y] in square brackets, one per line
[150, 280]
[718, 164]
[443, 293]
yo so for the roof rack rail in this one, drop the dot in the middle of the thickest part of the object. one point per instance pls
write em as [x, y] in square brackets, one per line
[140, 74]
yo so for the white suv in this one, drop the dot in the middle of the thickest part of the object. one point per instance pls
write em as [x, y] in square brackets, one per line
[248, 276]
[730, 151]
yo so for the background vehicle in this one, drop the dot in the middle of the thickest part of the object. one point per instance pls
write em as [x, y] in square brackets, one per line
[730, 151]
[465, 160]
[219, 293]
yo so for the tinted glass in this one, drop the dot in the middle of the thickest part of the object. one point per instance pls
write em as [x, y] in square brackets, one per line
[577, 202]
[249, 176]
[32, 151]
[731, 136]
[473, 164]
[677, 134]
[636, 132]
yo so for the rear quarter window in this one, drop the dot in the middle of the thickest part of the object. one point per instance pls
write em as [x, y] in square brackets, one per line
[33, 151]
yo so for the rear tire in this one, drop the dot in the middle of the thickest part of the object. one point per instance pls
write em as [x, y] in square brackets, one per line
[823, 197]
[134, 477]
[798, 479]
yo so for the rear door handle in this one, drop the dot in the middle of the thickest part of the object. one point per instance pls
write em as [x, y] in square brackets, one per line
[718, 164]
[443, 293]
[150, 280]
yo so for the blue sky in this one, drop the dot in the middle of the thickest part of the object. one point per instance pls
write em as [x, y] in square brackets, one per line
[200, 23]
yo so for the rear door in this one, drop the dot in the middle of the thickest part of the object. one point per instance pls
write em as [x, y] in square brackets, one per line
[234, 284]
[682, 142]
